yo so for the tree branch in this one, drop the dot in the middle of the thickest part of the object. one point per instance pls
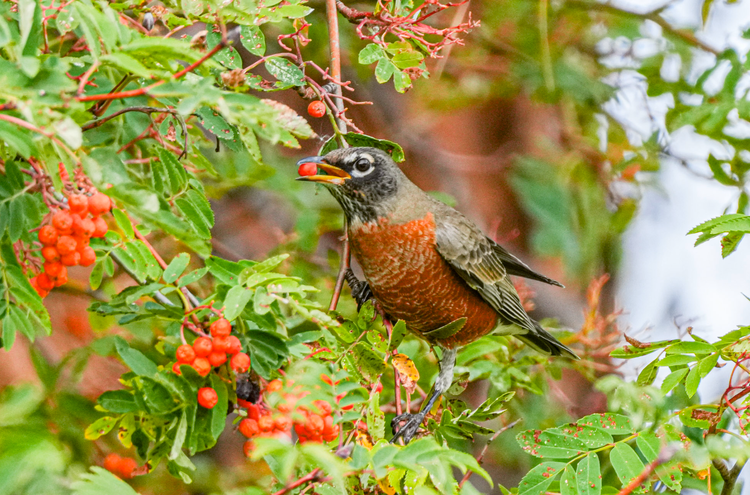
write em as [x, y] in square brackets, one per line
[728, 475]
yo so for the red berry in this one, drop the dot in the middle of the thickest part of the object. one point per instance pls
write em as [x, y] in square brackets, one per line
[249, 427]
[274, 386]
[253, 411]
[207, 397]
[283, 423]
[221, 328]
[316, 109]
[78, 203]
[85, 227]
[99, 203]
[185, 354]
[379, 387]
[203, 346]
[66, 244]
[323, 406]
[126, 467]
[217, 358]
[88, 256]
[265, 423]
[50, 253]
[54, 269]
[48, 235]
[221, 344]
[71, 259]
[176, 368]
[202, 366]
[111, 462]
[240, 362]
[34, 283]
[100, 227]
[248, 448]
[307, 169]
[62, 221]
[44, 282]
[233, 345]
[62, 279]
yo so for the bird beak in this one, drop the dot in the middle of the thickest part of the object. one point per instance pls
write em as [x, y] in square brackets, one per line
[335, 176]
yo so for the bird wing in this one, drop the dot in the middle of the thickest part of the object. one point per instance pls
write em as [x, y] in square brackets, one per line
[471, 254]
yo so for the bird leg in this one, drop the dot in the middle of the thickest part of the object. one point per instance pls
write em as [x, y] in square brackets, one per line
[360, 289]
[412, 422]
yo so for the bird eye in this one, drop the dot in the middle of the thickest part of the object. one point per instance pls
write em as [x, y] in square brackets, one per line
[363, 165]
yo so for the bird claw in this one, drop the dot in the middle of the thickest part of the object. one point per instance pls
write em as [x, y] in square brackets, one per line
[409, 429]
[360, 289]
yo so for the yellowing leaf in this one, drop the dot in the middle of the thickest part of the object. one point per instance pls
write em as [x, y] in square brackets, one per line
[407, 372]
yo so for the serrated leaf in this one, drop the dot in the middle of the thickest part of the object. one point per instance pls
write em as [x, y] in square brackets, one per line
[179, 437]
[192, 277]
[101, 481]
[368, 363]
[371, 54]
[285, 71]
[175, 172]
[673, 379]
[124, 223]
[590, 436]
[127, 63]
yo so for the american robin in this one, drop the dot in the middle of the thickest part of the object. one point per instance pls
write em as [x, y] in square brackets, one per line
[427, 264]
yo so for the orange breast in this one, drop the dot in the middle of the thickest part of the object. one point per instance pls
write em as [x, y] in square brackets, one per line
[413, 283]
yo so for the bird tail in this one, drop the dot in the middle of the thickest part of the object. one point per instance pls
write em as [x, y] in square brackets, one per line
[542, 341]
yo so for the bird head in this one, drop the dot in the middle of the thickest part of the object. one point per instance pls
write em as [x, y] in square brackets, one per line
[364, 181]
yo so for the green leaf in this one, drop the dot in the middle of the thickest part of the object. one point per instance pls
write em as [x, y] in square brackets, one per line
[716, 223]
[397, 334]
[568, 484]
[614, 424]
[197, 211]
[368, 363]
[179, 437]
[136, 360]
[673, 379]
[236, 300]
[101, 481]
[536, 481]
[691, 347]
[253, 40]
[285, 71]
[371, 54]
[100, 427]
[219, 411]
[95, 278]
[124, 223]
[192, 277]
[358, 140]
[588, 475]
[127, 63]
[175, 173]
[384, 70]
[118, 401]
[627, 464]
[176, 267]
[550, 444]
[590, 436]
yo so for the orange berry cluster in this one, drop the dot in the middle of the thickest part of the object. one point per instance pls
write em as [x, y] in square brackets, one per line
[124, 467]
[207, 353]
[315, 425]
[66, 240]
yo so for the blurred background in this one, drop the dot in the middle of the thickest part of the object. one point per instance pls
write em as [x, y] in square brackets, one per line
[559, 134]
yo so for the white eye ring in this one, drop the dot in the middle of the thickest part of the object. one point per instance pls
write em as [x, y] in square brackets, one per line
[361, 173]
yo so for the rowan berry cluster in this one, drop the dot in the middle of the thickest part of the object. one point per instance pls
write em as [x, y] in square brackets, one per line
[66, 238]
[124, 467]
[312, 424]
[207, 353]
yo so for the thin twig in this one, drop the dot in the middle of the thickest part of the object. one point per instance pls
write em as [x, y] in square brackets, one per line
[480, 458]
[312, 476]
[147, 110]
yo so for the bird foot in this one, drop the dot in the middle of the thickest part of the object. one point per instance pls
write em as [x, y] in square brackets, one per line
[360, 289]
[409, 428]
